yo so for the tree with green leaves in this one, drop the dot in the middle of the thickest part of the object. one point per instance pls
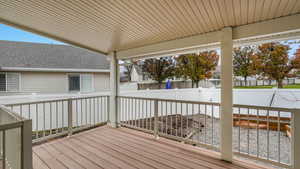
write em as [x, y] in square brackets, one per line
[197, 66]
[274, 63]
[159, 69]
[243, 64]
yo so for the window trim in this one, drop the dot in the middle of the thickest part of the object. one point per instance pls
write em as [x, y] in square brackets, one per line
[80, 77]
[6, 84]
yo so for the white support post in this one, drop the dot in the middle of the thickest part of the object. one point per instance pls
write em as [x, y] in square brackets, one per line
[226, 95]
[26, 151]
[70, 117]
[295, 139]
[114, 89]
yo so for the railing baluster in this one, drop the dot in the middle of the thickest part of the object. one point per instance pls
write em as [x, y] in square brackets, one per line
[135, 112]
[139, 113]
[81, 112]
[62, 113]
[257, 133]
[239, 138]
[205, 125]
[248, 134]
[268, 135]
[278, 130]
[77, 116]
[146, 118]
[192, 129]
[166, 114]
[181, 121]
[44, 120]
[93, 103]
[143, 116]
[98, 111]
[212, 124]
[187, 119]
[132, 113]
[37, 121]
[150, 115]
[176, 116]
[199, 123]
[156, 119]
[86, 110]
[50, 107]
[56, 107]
[101, 110]
[171, 115]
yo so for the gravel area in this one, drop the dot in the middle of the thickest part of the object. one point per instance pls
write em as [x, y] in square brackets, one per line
[252, 141]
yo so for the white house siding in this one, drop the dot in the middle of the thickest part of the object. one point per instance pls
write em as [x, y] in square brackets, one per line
[52, 82]
[43, 82]
[101, 82]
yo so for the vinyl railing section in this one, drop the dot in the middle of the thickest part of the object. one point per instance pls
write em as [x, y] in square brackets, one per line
[259, 133]
[15, 141]
[53, 118]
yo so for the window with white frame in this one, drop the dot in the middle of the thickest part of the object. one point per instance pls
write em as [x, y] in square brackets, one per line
[9, 82]
[81, 82]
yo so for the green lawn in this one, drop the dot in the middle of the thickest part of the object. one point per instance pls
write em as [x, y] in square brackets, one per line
[295, 86]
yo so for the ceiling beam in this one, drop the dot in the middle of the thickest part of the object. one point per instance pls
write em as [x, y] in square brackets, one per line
[52, 36]
[276, 29]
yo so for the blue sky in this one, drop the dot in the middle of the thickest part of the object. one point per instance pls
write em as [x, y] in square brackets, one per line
[13, 34]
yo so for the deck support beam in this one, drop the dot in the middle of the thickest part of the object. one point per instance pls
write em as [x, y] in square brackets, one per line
[114, 89]
[226, 94]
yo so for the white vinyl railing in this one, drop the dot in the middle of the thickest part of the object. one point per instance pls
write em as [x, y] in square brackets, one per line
[260, 133]
[187, 121]
[263, 133]
[15, 141]
[53, 118]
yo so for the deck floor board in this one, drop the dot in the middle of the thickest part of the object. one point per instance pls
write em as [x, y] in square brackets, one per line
[122, 148]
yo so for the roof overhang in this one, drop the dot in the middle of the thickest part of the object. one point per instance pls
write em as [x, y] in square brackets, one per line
[285, 28]
[153, 28]
[66, 70]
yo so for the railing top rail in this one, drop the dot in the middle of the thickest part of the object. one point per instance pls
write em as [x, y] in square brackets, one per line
[171, 100]
[55, 100]
[215, 104]
[264, 108]
[16, 116]
[11, 125]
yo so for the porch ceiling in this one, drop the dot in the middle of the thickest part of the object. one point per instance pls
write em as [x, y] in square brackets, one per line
[104, 26]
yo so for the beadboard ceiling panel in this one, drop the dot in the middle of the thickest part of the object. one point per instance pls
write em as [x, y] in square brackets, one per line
[107, 25]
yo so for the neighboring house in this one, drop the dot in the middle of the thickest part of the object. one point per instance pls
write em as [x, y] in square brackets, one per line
[137, 74]
[46, 68]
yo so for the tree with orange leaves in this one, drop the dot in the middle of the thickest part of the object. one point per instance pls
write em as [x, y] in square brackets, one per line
[273, 62]
[197, 66]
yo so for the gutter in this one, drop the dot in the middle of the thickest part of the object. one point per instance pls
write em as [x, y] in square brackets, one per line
[25, 69]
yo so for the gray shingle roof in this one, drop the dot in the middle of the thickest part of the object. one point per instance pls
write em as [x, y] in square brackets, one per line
[39, 55]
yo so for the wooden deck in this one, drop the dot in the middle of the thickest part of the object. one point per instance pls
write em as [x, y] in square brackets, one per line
[122, 148]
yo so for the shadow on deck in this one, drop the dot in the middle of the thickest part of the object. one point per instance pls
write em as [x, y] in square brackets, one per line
[109, 148]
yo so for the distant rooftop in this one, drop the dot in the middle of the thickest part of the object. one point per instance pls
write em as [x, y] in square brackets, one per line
[49, 56]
